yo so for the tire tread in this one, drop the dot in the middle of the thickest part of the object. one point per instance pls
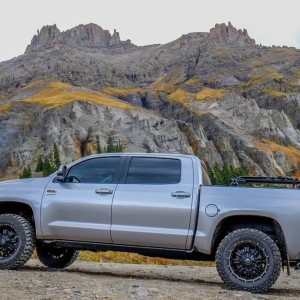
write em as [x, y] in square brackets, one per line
[277, 260]
[28, 236]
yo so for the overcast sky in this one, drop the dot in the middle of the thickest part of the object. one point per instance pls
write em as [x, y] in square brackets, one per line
[270, 22]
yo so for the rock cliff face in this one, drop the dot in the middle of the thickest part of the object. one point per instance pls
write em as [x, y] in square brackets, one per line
[87, 36]
[78, 122]
[216, 94]
[227, 34]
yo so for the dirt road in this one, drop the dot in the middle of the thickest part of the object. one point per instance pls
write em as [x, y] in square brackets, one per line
[86, 280]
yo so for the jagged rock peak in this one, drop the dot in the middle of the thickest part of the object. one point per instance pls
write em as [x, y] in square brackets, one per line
[90, 35]
[228, 34]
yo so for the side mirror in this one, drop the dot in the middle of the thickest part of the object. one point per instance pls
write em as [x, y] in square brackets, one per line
[61, 173]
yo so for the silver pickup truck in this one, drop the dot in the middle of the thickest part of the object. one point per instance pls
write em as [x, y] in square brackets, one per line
[153, 204]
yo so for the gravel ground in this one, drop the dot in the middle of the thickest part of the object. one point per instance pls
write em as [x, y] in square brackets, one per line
[89, 280]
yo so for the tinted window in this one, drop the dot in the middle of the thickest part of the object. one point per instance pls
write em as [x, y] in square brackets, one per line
[154, 170]
[98, 170]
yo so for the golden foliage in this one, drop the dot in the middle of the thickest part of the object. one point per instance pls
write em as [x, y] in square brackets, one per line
[122, 92]
[163, 85]
[57, 94]
[273, 92]
[265, 75]
[4, 107]
[296, 71]
[181, 96]
[37, 84]
[133, 258]
[206, 93]
[272, 147]
[297, 174]
[193, 81]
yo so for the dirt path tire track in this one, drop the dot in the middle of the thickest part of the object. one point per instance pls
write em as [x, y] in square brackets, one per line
[87, 280]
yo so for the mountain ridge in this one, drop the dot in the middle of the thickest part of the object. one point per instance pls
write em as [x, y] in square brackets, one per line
[229, 100]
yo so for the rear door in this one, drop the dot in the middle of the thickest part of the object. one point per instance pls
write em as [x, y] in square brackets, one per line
[152, 203]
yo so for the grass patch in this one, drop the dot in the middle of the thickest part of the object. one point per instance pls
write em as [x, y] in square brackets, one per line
[122, 92]
[193, 81]
[165, 86]
[183, 96]
[273, 92]
[208, 93]
[296, 71]
[265, 76]
[57, 94]
[5, 107]
[133, 258]
[272, 147]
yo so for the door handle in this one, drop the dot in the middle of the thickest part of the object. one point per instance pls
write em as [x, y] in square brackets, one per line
[51, 192]
[104, 191]
[181, 194]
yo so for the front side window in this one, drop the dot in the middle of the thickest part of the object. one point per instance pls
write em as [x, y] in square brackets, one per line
[144, 170]
[97, 170]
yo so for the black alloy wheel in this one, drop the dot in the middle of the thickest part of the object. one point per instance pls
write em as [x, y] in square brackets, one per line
[248, 260]
[9, 241]
[56, 257]
[17, 241]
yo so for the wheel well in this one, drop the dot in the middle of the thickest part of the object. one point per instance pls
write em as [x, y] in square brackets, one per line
[267, 225]
[17, 208]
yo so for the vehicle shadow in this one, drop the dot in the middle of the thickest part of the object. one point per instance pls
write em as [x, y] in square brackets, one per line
[156, 275]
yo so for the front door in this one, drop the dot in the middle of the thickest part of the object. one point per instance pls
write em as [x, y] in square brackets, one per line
[80, 208]
[152, 206]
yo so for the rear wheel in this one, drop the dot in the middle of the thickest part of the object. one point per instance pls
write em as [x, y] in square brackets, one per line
[17, 241]
[248, 260]
[56, 257]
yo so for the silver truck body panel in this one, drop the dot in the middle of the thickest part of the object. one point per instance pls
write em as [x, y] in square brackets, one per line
[282, 205]
[27, 191]
[76, 212]
[148, 214]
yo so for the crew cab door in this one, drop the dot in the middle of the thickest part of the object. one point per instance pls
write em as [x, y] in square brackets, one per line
[152, 203]
[80, 208]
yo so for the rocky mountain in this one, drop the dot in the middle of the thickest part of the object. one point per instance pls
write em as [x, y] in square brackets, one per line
[218, 95]
[82, 36]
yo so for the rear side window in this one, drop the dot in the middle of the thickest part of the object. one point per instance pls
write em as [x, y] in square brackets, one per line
[97, 170]
[144, 170]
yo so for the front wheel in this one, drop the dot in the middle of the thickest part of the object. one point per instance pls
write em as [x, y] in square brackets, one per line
[17, 241]
[248, 260]
[56, 257]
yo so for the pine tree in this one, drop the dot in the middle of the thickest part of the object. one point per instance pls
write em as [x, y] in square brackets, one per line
[23, 173]
[98, 145]
[48, 168]
[26, 173]
[87, 152]
[119, 147]
[29, 174]
[40, 165]
[110, 145]
[56, 157]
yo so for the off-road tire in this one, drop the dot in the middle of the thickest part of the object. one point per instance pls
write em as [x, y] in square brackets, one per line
[56, 257]
[230, 255]
[17, 241]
